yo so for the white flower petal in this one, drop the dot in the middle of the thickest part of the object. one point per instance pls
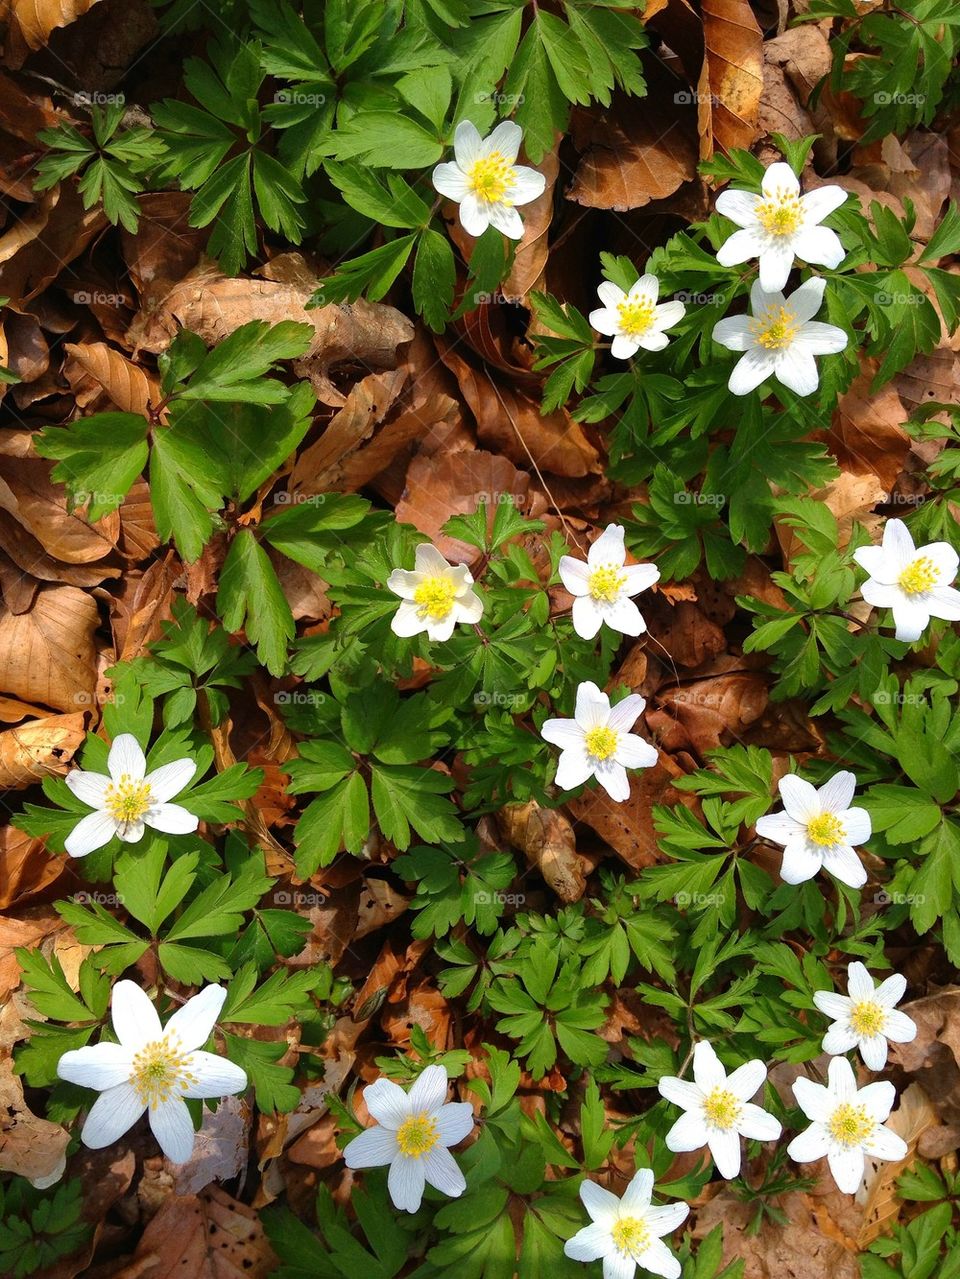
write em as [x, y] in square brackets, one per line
[602, 1205]
[373, 1148]
[126, 758]
[100, 1066]
[506, 220]
[134, 1018]
[589, 1244]
[899, 1028]
[450, 180]
[670, 313]
[624, 616]
[809, 1145]
[193, 1023]
[738, 206]
[634, 752]
[640, 577]
[688, 1133]
[750, 370]
[842, 1082]
[440, 1171]
[820, 203]
[636, 1197]
[665, 1219]
[468, 608]
[173, 1128]
[407, 621]
[944, 559]
[467, 143]
[898, 544]
[813, 1099]
[215, 1076]
[170, 779]
[873, 1050]
[565, 733]
[799, 864]
[454, 1122]
[856, 823]
[622, 348]
[659, 1260]
[758, 1124]
[840, 1039]
[172, 819]
[587, 617]
[775, 261]
[747, 1080]
[797, 369]
[575, 575]
[820, 339]
[780, 179]
[725, 1148]
[739, 247]
[844, 864]
[878, 1098]
[882, 595]
[474, 218]
[593, 706]
[111, 1115]
[89, 788]
[835, 795]
[90, 833]
[605, 321]
[405, 1181]
[884, 1144]
[831, 1004]
[875, 561]
[618, 1265]
[944, 602]
[911, 619]
[708, 1070]
[653, 341]
[506, 139]
[528, 185]
[610, 294]
[574, 767]
[800, 799]
[429, 1091]
[681, 1092]
[847, 1167]
[387, 1103]
[779, 828]
[819, 245]
[608, 548]
[734, 333]
[612, 776]
[625, 714]
[860, 984]
[807, 300]
[131, 832]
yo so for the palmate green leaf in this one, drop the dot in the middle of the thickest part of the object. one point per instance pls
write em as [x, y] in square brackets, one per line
[250, 593]
[273, 1084]
[371, 273]
[282, 996]
[51, 994]
[98, 458]
[384, 198]
[217, 799]
[434, 279]
[185, 490]
[236, 368]
[218, 910]
[386, 140]
[406, 797]
[340, 817]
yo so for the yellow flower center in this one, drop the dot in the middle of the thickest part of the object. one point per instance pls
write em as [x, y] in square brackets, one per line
[636, 315]
[850, 1125]
[780, 214]
[826, 830]
[606, 582]
[722, 1109]
[630, 1234]
[490, 177]
[775, 329]
[417, 1135]
[435, 597]
[867, 1018]
[601, 742]
[919, 576]
[127, 800]
[160, 1071]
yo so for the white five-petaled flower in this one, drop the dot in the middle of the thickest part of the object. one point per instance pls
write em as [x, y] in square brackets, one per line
[779, 338]
[626, 1232]
[718, 1109]
[412, 1133]
[129, 799]
[436, 596]
[152, 1068]
[866, 1016]
[847, 1124]
[597, 742]
[486, 181]
[913, 581]
[779, 225]
[634, 319]
[602, 586]
[818, 828]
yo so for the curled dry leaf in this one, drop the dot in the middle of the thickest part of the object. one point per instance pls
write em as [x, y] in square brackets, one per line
[38, 749]
[530, 261]
[29, 1146]
[30, 23]
[731, 81]
[26, 865]
[220, 1148]
[125, 384]
[867, 437]
[628, 827]
[47, 655]
[881, 1202]
[712, 712]
[547, 840]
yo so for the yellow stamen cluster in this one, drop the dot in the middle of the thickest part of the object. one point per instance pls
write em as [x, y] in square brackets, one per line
[868, 1017]
[127, 800]
[780, 214]
[491, 177]
[631, 1235]
[636, 316]
[722, 1108]
[826, 830]
[850, 1125]
[606, 582]
[435, 596]
[160, 1071]
[775, 329]
[417, 1135]
[601, 742]
[919, 576]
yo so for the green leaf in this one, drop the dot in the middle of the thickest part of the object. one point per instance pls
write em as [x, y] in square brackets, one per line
[249, 591]
[98, 458]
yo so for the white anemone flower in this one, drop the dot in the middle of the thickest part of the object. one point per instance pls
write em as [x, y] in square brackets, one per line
[780, 225]
[602, 586]
[818, 829]
[718, 1109]
[436, 596]
[779, 339]
[913, 581]
[486, 181]
[634, 319]
[129, 799]
[866, 1017]
[412, 1133]
[597, 742]
[152, 1068]
[627, 1232]
[847, 1124]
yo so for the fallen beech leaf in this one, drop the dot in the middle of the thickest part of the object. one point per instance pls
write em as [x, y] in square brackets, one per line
[26, 865]
[126, 384]
[205, 1236]
[628, 827]
[41, 748]
[422, 1006]
[47, 655]
[219, 1148]
[30, 23]
[933, 1058]
[29, 1146]
[881, 1203]
[850, 498]
[547, 840]
[31, 261]
[731, 81]
[866, 436]
[712, 712]
[530, 260]
[40, 505]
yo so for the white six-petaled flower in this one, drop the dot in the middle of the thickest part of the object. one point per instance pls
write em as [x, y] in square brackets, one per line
[847, 1124]
[779, 338]
[627, 1232]
[436, 596]
[818, 828]
[779, 225]
[634, 319]
[718, 1109]
[602, 586]
[866, 1017]
[486, 181]
[129, 799]
[152, 1068]
[913, 581]
[597, 742]
[412, 1133]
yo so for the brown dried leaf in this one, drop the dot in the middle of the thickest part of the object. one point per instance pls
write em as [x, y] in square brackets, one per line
[881, 1202]
[628, 827]
[547, 840]
[866, 436]
[643, 152]
[530, 261]
[30, 23]
[128, 386]
[41, 748]
[25, 864]
[731, 80]
[47, 655]
[29, 1146]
